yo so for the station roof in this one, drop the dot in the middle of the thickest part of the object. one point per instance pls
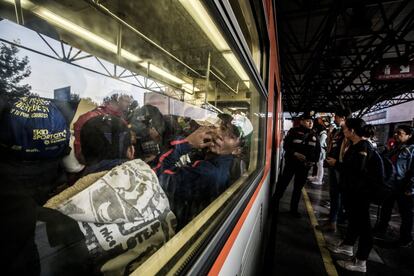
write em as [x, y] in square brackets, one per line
[328, 49]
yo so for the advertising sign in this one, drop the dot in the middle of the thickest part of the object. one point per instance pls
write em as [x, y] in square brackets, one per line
[393, 69]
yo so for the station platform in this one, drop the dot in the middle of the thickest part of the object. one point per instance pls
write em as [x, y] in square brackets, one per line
[296, 246]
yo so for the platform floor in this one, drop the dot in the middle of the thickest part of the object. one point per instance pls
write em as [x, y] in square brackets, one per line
[297, 247]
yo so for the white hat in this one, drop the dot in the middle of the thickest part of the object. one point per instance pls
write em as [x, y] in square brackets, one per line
[243, 124]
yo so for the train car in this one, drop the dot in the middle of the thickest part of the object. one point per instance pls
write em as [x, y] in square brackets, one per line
[190, 59]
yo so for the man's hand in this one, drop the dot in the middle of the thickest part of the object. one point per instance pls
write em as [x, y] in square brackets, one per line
[331, 161]
[153, 133]
[299, 156]
[201, 138]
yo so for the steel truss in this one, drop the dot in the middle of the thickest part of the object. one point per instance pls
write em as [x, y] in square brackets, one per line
[70, 55]
[400, 99]
[328, 49]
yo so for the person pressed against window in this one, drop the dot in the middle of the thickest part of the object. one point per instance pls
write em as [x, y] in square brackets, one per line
[225, 140]
[116, 105]
[116, 201]
[192, 187]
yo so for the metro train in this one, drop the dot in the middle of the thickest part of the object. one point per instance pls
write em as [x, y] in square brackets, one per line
[188, 58]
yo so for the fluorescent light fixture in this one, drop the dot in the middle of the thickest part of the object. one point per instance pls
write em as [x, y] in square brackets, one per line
[97, 40]
[130, 56]
[197, 11]
[203, 19]
[189, 88]
[161, 72]
[234, 62]
[75, 29]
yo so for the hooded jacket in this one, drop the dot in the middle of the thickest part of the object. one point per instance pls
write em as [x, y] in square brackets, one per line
[123, 213]
[101, 110]
[304, 141]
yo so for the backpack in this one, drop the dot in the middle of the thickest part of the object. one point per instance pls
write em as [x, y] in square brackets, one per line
[381, 174]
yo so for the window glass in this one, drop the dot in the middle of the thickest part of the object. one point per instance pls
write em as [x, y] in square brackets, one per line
[250, 18]
[121, 124]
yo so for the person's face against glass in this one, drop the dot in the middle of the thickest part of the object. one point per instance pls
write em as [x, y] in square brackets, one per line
[224, 141]
[400, 136]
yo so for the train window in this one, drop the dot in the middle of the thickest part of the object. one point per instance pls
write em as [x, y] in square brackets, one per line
[250, 17]
[132, 123]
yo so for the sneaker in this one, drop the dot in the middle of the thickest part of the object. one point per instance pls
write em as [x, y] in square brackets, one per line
[353, 265]
[347, 250]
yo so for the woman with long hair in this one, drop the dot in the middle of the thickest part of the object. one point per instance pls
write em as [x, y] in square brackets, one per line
[355, 184]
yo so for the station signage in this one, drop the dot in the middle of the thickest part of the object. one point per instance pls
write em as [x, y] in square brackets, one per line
[393, 69]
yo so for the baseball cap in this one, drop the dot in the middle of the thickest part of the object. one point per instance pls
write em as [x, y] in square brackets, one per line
[307, 115]
[243, 124]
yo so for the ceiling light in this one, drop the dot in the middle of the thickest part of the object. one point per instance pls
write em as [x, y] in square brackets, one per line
[190, 88]
[234, 62]
[87, 35]
[197, 11]
[203, 19]
[161, 72]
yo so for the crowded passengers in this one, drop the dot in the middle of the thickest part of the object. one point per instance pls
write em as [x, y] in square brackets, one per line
[104, 187]
[359, 175]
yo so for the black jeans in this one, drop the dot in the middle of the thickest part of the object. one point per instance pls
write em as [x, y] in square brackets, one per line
[336, 211]
[300, 171]
[359, 224]
[405, 208]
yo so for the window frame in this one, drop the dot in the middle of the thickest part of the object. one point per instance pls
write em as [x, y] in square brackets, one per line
[202, 259]
[222, 12]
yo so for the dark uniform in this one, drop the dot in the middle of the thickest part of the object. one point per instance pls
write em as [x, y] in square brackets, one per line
[335, 144]
[304, 141]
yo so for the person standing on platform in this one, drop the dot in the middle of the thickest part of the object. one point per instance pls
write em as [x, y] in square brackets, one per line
[336, 147]
[356, 181]
[402, 158]
[302, 149]
[322, 136]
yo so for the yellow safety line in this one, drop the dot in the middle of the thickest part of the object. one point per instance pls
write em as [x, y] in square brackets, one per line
[326, 256]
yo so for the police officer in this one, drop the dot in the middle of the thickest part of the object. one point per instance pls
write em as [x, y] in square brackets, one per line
[302, 149]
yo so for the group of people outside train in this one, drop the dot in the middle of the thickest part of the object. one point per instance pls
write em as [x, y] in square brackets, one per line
[356, 179]
[135, 177]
